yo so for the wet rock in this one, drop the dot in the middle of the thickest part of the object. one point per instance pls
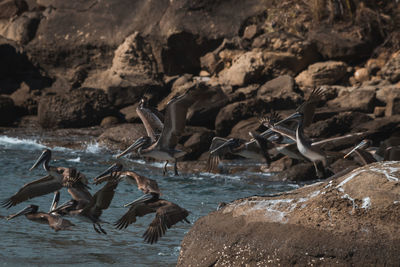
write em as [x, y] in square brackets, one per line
[322, 73]
[133, 73]
[7, 111]
[121, 136]
[198, 141]
[245, 69]
[233, 113]
[330, 213]
[357, 99]
[78, 108]
[280, 93]
[391, 70]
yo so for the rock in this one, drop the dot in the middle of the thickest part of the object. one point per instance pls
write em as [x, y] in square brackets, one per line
[241, 94]
[109, 121]
[23, 28]
[12, 8]
[121, 136]
[198, 142]
[329, 213]
[339, 45]
[361, 75]
[130, 114]
[357, 99]
[280, 165]
[243, 127]
[15, 68]
[25, 99]
[250, 32]
[280, 93]
[299, 172]
[322, 73]
[391, 70]
[393, 107]
[385, 126]
[379, 111]
[7, 111]
[246, 68]
[133, 73]
[78, 108]
[386, 92]
[233, 113]
[209, 62]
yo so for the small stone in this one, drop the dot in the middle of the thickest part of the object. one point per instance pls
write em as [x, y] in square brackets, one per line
[109, 121]
[250, 32]
[362, 75]
[204, 73]
[379, 111]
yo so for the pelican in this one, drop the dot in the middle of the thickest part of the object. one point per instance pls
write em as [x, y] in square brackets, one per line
[362, 153]
[167, 213]
[54, 221]
[369, 154]
[57, 178]
[175, 119]
[152, 120]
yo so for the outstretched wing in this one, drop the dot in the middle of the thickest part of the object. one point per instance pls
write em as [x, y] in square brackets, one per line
[151, 122]
[137, 210]
[308, 107]
[40, 187]
[101, 200]
[166, 216]
[146, 185]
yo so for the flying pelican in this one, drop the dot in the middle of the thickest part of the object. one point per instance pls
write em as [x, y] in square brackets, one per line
[57, 178]
[360, 149]
[167, 213]
[175, 119]
[54, 221]
[369, 154]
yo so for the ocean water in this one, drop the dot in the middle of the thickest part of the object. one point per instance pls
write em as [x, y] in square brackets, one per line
[26, 242]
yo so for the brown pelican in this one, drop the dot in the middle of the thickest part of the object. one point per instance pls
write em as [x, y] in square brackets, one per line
[152, 120]
[54, 221]
[57, 178]
[369, 155]
[360, 149]
[167, 213]
[175, 119]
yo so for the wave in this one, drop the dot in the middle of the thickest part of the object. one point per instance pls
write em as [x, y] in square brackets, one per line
[26, 144]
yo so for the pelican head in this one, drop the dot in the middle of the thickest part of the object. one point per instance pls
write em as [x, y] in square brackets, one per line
[45, 157]
[116, 167]
[139, 144]
[362, 145]
[143, 101]
[27, 210]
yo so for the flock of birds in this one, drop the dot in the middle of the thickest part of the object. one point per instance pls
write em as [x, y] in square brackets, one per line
[283, 136]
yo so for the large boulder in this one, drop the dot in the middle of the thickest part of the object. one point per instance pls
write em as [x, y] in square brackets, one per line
[133, 73]
[322, 73]
[359, 99]
[77, 108]
[351, 220]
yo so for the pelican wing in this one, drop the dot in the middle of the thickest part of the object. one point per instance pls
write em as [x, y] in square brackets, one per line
[151, 122]
[80, 194]
[146, 185]
[137, 210]
[72, 177]
[101, 200]
[166, 216]
[309, 106]
[40, 187]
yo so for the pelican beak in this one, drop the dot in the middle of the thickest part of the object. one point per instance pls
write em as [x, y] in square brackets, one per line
[141, 199]
[116, 167]
[228, 144]
[22, 212]
[137, 144]
[294, 116]
[63, 206]
[363, 144]
[42, 158]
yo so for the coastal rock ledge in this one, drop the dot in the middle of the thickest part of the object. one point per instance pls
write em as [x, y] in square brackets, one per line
[352, 220]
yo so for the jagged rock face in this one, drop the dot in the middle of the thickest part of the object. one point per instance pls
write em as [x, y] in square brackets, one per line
[349, 221]
[78, 108]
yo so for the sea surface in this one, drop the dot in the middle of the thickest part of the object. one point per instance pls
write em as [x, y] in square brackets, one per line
[27, 243]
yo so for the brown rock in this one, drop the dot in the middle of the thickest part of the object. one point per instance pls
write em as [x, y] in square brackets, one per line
[393, 107]
[198, 142]
[386, 92]
[329, 213]
[391, 70]
[280, 93]
[299, 172]
[379, 111]
[242, 128]
[130, 114]
[250, 31]
[11, 8]
[322, 73]
[22, 29]
[78, 108]
[358, 99]
[361, 75]
[245, 69]
[109, 121]
[121, 136]
[26, 99]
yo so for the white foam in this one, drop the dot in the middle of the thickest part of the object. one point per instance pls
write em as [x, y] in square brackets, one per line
[10, 142]
[78, 159]
[93, 148]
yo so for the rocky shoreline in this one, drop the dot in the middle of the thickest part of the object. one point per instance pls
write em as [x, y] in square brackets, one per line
[81, 68]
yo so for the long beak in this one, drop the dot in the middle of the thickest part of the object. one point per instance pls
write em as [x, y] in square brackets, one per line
[141, 199]
[114, 168]
[39, 160]
[228, 143]
[22, 212]
[56, 199]
[361, 145]
[137, 144]
[294, 116]
[63, 206]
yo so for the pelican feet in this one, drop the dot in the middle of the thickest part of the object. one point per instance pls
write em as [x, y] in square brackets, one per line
[100, 229]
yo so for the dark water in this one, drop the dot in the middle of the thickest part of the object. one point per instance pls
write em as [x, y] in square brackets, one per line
[26, 242]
